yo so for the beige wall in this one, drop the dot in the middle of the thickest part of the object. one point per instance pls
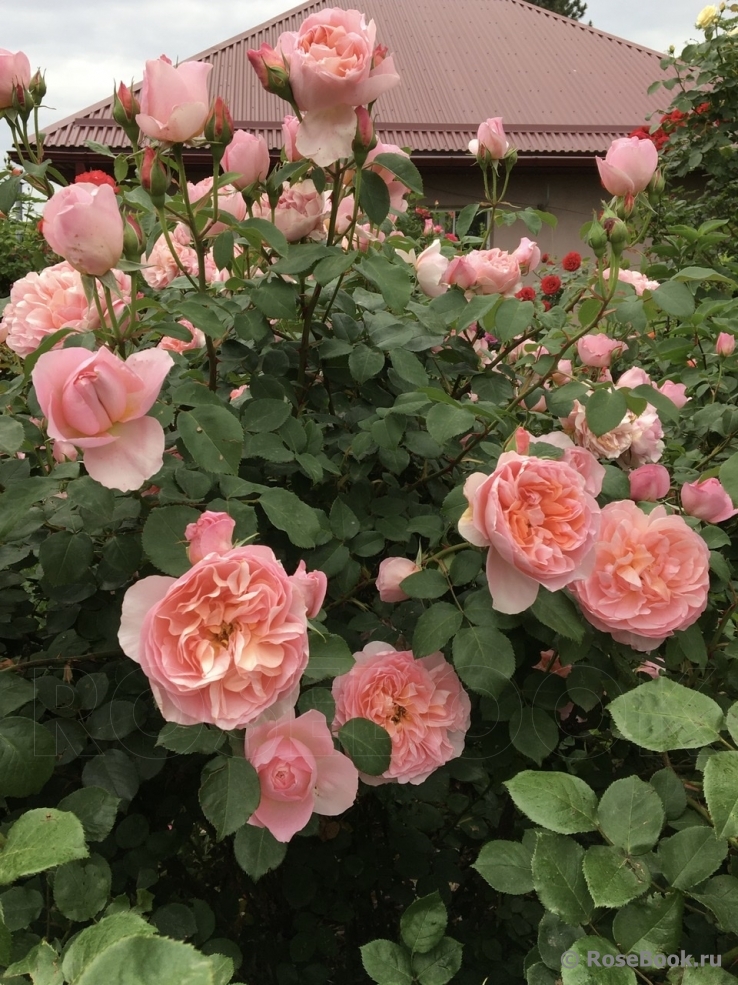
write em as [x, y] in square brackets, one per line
[571, 194]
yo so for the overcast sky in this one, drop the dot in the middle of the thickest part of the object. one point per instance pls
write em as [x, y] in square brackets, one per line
[85, 46]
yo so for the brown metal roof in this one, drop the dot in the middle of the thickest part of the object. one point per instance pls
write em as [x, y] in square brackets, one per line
[562, 88]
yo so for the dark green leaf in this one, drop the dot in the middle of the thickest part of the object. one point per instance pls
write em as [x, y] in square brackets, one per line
[435, 627]
[374, 197]
[403, 169]
[213, 436]
[164, 539]
[484, 659]
[257, 851]
[367, 745]
[605, 410]
[287, 512]
[555, 610]
[26, 757]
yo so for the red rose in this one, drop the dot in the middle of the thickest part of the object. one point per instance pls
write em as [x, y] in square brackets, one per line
[96, 178]
[572, 261]
[546, 305]
[526, 294]
[550, 284]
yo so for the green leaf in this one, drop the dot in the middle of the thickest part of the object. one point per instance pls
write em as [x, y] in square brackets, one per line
[213, 436]
[465, 218]
[39, 840]
[387, 963]
[203, 314]
[113, 720]
[148, 961]
[427, 584]
[392, 279]
[301, 257]
[20, 906]
[512, 318]
[343, 521]
[557, 612]
[484, 659]
[707, 975]
[445, 422]
[276, 299]
[14, 693]
[729, 477]
[330, 268]
[675, 299]
[403, 169]
[114, 772]
[438, 966]
[605, 409]
[164, 538]
[575, 969]
[82, 887]
[554, 937]
[26, 757]
[65, 557]
[268, 232]
[287, 512]
[229, 793]
[10, 192]
[190, 738]
[721, 792]
[96, 809]
[409, 367]
[558, 877]
[721, 896]
[374, 197]
[671, 791]
[435, 627]
[257, 851]
[11, 435]
[423, 923]
[365, 363]
[368, 745]
[556, 801]
[612, 878]
[662, 715]
[6, 942]
[18, 498]
[653, 924]
[691, 856]
[94, 940]
[667, 409]
[265, 414]
[41, 963]
[731, 721]
[534, 733]
[330, 656]
[630, 815]
[506, 866]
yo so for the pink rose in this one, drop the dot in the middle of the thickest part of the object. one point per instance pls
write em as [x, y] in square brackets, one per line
[238, 392]
[162, 266]
[539, 522]
[247, 154]
[211, 534]
[579, 458]
[650, 579]
[222, 643]
[628, 166]
[707, 500]
[725, 344]
[649, 667]
[331, 61]
[300, 772]
[598, 350]
[392, 571]
[313, 585]
[635, 441]
[676, 392]
[485, 272]
[196, 341]
[97, 402]
[491, 143]
[564, 372]
[430, 268]
[83, 224]
[550, 664]
[528, 255]
[299, 210]
[174, 101]
[15, 69]
[639, 282]
[649, 483]
[395, 187]
[229, 200]
[290, 126]
[421, 703]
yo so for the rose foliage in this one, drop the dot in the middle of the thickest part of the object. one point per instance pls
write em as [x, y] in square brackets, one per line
[368, 603]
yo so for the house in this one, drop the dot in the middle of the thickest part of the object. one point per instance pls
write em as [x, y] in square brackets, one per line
[563, 89]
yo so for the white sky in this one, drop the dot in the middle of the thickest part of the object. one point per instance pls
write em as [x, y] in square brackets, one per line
[84, 46]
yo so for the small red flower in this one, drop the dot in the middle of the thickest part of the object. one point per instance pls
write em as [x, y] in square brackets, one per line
[546, 305]
[572, 261]
[526, 294]
[96, 178]
[545, 258]
[702, 108]
[453, 237]
[551, 284]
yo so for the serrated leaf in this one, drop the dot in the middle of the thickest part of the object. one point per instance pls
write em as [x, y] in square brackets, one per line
[506, 866]
[674, 298]
[26, 757]
[82, 887]
[257, 851]
[557, 612]
[662, 715]
[374, 197]
[213, 436]
[39, 840]
[484, 659]
[721, 792]
[190, 738]
[423, 923]
[557, 801]
[164, 538]
[287, 512]
[439, 966]
[96, 809]
[368, 745]
[435, 627]
[445, 422]
[148, 961]
[691, 856]
[612, 878]
[630, 815]
[558, 877]
[330, 656]
[403, 169]
[229, 794]
[653, 924]
[387, 963]
[94, 940]
[365, 362]
[577, 970]
[604, 410]
[721, 896]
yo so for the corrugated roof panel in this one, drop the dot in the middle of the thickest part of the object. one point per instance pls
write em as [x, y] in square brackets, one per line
[560, 86]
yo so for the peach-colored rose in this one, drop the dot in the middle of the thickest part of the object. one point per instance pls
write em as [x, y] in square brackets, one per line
[650, 579]
[421, 703]
[196, 341]
[628, 165]
[579, 458]
[97, 402]
[707, 500]
[300, 772]
[635, 441]
[299, 210]
[485, 272]
[598, 349]
[649, 483]
[162, 267]
[212, 533]
[174, 101]
[313, 585]
[550, 664]
[539, 523]
[638, 281]
[83, 224]
[222, 643]
[392, 571]
[230, 200]
[247, 154]
[15, 69]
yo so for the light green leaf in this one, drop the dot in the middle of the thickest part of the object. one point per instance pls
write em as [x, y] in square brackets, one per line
[94, 940]
[612, 878]
[729, 477]
[365, 362]
[257, 851]
[42, 963]
[392, 279]
[721, 792]
[556, 801]
[506, 866]
[631, 815]
[409, 367]
[39, 840]
[387, 963]
[675, 299]
[663, 715]
[605, 409]
[229, 793]
[577, 970]
[671, 791]
[213, 436]
[653, 924]
[438, 966]
[423, 923]
[367, 745]
[11, 435]
[691, 856]
[141, 960]
[731, 721]
[721, 896]
[558, 877]
[707, 976]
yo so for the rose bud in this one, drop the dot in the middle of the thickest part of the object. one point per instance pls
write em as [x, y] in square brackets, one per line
[707, 500]
[725, 344]
[649, 483]
[392, 571]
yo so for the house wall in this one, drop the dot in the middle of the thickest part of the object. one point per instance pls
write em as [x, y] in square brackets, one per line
[571, 194]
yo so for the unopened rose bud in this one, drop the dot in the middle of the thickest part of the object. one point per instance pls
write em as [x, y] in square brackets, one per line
[511, 159]
[617, 234]
[218, 129]
[365, 138]
[271, 69]
[125, 108]
[597, 239]
[133, 239]
[725, 344]
[656, 188]
[154, 177]
[37, 88]
[22, 100]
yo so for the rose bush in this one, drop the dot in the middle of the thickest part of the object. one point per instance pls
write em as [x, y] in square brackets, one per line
[332, 543]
